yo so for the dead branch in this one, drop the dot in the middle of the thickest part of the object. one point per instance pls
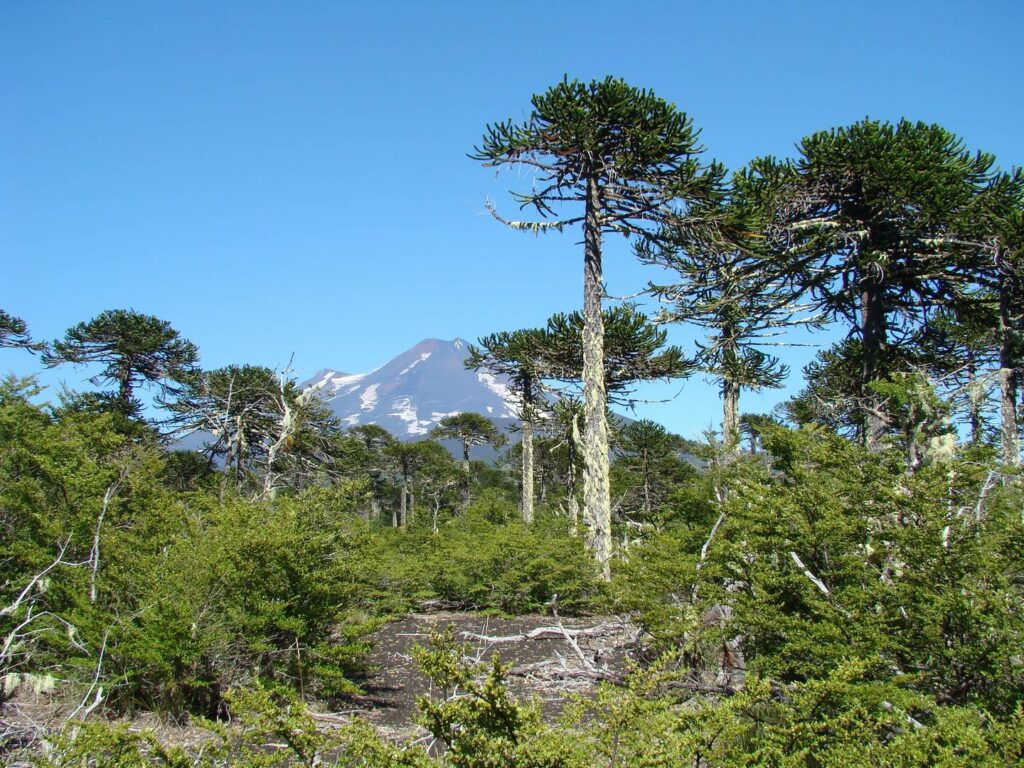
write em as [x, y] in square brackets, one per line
[543, 632]
[806, 572]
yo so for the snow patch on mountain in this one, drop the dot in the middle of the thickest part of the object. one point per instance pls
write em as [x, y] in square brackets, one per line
[404, 409]
[368, 400]
[336, 381]
[420, 359]
[501, 389]
[489, 381]
[436, 416]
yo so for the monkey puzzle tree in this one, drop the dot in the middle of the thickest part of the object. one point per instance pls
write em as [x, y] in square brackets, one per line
[629, 158]
[516, 355]
[560, 452]
[958, 347]
[649, 467]
[831, 396]
[634, 351]
[410, 461]
[868, 219]
[237, 405]
[469, 429]
[720, 257]
[134, 348]
[993, 228]
[14, 333]
[375, 459]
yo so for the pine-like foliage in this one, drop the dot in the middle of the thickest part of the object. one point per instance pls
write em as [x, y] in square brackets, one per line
[641, 151]
[14, 333]
[720, 255]
[133, 348]
[635, 350]
[868, 224]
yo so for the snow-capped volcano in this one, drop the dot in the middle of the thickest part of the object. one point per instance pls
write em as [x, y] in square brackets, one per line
[409, 395]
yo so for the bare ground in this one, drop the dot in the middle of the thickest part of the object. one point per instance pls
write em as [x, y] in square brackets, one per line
[551, 659]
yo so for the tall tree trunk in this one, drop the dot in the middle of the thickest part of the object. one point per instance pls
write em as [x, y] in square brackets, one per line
[574, 506]
[239, 452]
[1009, 375]
[228, 458]
[873, 338]
[731, 415]
[405, 501]
[374, 508]
[527, 445]
[596, 486]
[646, 469]
[465, 473]
[974, 397]
[124, 388]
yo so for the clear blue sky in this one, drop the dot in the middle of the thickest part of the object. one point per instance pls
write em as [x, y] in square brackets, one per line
[278, 178]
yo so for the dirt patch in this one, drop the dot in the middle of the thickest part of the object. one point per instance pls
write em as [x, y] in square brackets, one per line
[551, 659]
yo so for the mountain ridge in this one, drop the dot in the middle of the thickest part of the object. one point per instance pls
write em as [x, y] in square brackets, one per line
[410, 394]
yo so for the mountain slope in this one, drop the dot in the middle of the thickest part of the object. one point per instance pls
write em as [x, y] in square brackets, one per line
[410, 394]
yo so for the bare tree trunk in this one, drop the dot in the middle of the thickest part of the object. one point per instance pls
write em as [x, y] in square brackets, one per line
[527, 502]
[974, 398]
[1009, 373]
[374, 509]
[731, 415]
[465, 474]
[596, 487]
[405, 498]
[873, 339]
[646, 470]
[574, 506]
[239, 451]
[95, 556]
[228, 456]
[1008, 414]
[286, 429]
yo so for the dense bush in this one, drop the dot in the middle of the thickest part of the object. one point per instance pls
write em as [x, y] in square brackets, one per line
[832, 553]
[243, 591]
[481, 559]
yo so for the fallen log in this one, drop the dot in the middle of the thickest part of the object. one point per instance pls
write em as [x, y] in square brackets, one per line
[544, 632]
